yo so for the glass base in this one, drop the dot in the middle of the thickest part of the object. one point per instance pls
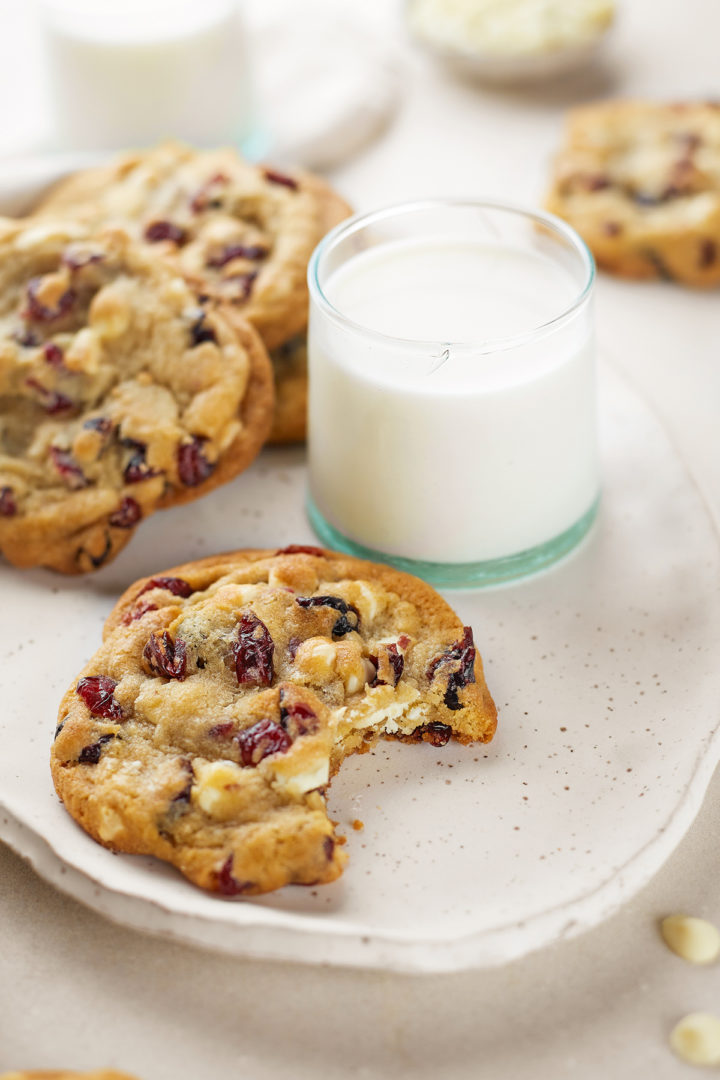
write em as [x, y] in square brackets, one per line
[462, 575]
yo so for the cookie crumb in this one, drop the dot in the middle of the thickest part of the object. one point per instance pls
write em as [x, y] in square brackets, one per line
[358, 825]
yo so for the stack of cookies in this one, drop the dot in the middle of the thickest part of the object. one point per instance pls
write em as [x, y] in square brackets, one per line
[137, 308]
[152, 323]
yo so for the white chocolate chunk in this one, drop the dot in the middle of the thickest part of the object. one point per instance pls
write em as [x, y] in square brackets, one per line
[111, 824]
[217, 788]
[695, 940]
[696, 1039]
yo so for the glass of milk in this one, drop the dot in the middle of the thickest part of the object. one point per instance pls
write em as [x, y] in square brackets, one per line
[130, 72]
[452, 426]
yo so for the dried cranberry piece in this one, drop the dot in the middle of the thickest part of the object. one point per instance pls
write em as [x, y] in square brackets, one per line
[229, 885]
[221, 731]
[176, 585]
[90, 755]
[329, 847]
[68, 467]
[293, 645]
[436, 733]
[53, 401]
[203, 198]
[26, 338]
[199, 332]
[690, 141]
[53, 354]
[708, 254]
[244, 283]
[253, 652]
[275, 177]
[137, 468]
[97, 693]
[164, 230]
[301, 549]
[461, 653]
[77, 260]
[183, 796]
[643, 198]
[262, 739]
[349, 615]
[297, 718]
[8, 505]
[193, 466]
[127, 514]
[36, 311]
[166, 656]
[397, 662]
[236, 251]
[101, 424]
[137, 613]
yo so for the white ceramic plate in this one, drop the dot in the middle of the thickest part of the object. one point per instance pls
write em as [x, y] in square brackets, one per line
[603, 670]
[605, 673]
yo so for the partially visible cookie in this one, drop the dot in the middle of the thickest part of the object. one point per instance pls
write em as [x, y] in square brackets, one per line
[227, 693]
[290, 369]
[241, 233]
[118, 394]
[63, 1074]
[640, 182]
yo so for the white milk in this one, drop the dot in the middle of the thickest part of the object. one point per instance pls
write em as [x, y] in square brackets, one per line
[453, 454]
[129, 72]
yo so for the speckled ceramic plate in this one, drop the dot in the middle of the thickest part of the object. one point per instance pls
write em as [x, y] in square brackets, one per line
[605, 673]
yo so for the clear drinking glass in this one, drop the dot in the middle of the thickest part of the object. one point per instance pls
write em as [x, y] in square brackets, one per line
[452, 410]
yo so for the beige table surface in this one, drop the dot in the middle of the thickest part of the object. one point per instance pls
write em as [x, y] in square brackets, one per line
[78, 991]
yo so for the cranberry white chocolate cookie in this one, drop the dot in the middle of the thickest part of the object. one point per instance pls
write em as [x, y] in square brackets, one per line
[227, 693]
[118, 394]
[241, 233]
[290, 370]
[640, 182]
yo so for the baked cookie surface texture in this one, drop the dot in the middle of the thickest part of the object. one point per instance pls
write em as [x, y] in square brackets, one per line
[640, 182]
[119, 395]
[240, 233]
[227, 693]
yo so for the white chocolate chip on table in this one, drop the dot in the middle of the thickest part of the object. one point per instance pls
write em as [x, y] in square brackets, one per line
[696, 1039]
[695, 940]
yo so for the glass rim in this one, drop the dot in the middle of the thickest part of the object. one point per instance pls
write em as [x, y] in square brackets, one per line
[359, 221]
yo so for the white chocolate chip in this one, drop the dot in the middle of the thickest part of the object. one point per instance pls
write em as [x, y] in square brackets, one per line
[353, 684]
[110, 824]
[696, 1039]
[695, 940]
[83, 353]
[110, 311]
[216, 789]
[40, 235]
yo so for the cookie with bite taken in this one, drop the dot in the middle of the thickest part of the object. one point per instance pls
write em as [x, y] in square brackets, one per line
[228, 692]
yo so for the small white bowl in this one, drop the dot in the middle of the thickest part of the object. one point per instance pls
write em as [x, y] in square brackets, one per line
[512, 67]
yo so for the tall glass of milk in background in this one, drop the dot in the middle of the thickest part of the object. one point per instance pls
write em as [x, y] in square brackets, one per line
[452, 426]
[125, 73]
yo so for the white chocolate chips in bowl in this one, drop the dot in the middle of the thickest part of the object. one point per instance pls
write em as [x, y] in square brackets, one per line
[696, 1038]
[511, 40]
